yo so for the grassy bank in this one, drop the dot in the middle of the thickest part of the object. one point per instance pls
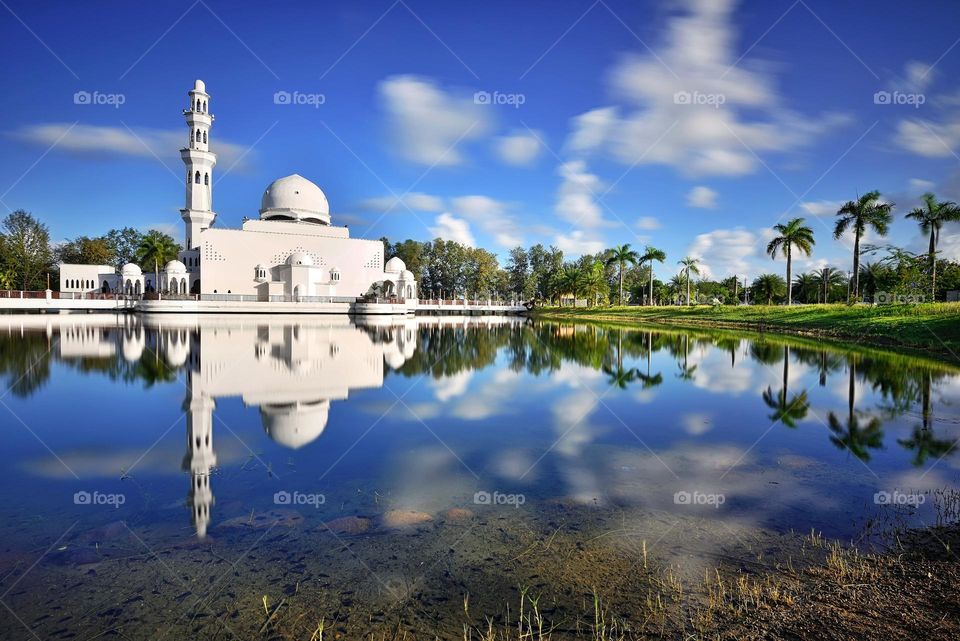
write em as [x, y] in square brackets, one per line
[932, 328]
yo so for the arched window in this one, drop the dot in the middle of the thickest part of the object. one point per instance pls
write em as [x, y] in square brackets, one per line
[198, 135]
[196, 178]
[204, 106]
[204, 137]
[206, 177]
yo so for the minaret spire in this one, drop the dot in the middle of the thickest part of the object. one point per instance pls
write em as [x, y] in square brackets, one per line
[198, 212]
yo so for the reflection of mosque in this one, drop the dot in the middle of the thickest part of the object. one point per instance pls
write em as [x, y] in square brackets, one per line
[291, 369]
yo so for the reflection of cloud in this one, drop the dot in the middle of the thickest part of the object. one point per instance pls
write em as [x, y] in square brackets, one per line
[451, 386]
[91, 463]
[489, 398]
[696, 423]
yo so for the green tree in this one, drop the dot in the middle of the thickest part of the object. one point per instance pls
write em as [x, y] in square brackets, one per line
[931, 218]
[689, 265]
[651, 254]
[622, 256]
[767, 287]
[859, 215]
[26, 247]
[519, 270]
[808, 287]
[125, 244]
[792, 234]
[87, 251]
[156, 248]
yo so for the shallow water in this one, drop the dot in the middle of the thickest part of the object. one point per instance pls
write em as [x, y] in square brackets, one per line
[166, 475]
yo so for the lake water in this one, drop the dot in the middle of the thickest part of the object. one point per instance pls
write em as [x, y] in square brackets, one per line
[176, 477]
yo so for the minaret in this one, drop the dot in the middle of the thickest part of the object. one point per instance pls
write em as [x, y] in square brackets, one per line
[197, 212]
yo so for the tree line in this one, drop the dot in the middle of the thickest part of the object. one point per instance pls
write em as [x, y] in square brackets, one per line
[623, 275]
[28, 257]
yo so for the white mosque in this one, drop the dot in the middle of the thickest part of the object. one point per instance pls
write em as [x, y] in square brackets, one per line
[291, 253]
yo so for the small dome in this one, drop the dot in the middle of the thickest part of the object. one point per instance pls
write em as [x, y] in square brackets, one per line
[199, 86]
[407, 275]
[394, 265]
[294, 425]
[175, 267]
[131, 269]
[300, 258]
[296, 199]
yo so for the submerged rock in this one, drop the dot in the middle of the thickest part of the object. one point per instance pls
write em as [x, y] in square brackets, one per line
[458, 514]
[261, 520]
[347, 525]
[404, 518]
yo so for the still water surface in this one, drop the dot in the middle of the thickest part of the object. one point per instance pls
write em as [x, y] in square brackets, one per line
[165, 475]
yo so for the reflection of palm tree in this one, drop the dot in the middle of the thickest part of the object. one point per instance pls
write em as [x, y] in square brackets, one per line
[648, 380]
[686, 370]
[923, 439]
[619, 376]
[786, 410]
[856, 439]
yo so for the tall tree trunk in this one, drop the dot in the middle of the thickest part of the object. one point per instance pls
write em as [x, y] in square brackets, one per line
[855, 290]
[789, 276]
[933, 263]
[688, 286]
[651, 284]
[621, 283]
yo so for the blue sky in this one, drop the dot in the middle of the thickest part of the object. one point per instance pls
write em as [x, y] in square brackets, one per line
[693, 125]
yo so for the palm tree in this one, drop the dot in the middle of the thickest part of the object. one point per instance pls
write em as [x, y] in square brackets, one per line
[807, 286]
[866, 211]
[689, 264]
[157, 248]
[793, 234]
[572, 279]
[931, 218]
[872, 275]
[826, 278]
[622, 256]
[651, 254]
[768, 286]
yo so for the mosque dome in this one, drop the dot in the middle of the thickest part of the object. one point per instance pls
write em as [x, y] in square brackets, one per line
[407, 275]
[199, 86]
[175, 267]
[294, 425]
[296, 199]
[394, 265]
[300, 258]
[131, 269]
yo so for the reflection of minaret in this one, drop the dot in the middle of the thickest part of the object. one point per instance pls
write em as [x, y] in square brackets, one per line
[200, 457]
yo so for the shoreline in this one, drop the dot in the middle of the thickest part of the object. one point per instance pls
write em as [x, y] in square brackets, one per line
[931, 330]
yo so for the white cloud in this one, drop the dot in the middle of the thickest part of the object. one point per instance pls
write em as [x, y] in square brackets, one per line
[449, 227]
[695, 106]
[647, 223]
[920, 186]
[703, 197]
[415, 200]
[929, 139]
[725, 252]
[491, 216]
[916, 77]
[576, 202]
[426, 123]
[822, 207]
[92, 140]
[577, 243]
[520, 148]
[450, 387]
